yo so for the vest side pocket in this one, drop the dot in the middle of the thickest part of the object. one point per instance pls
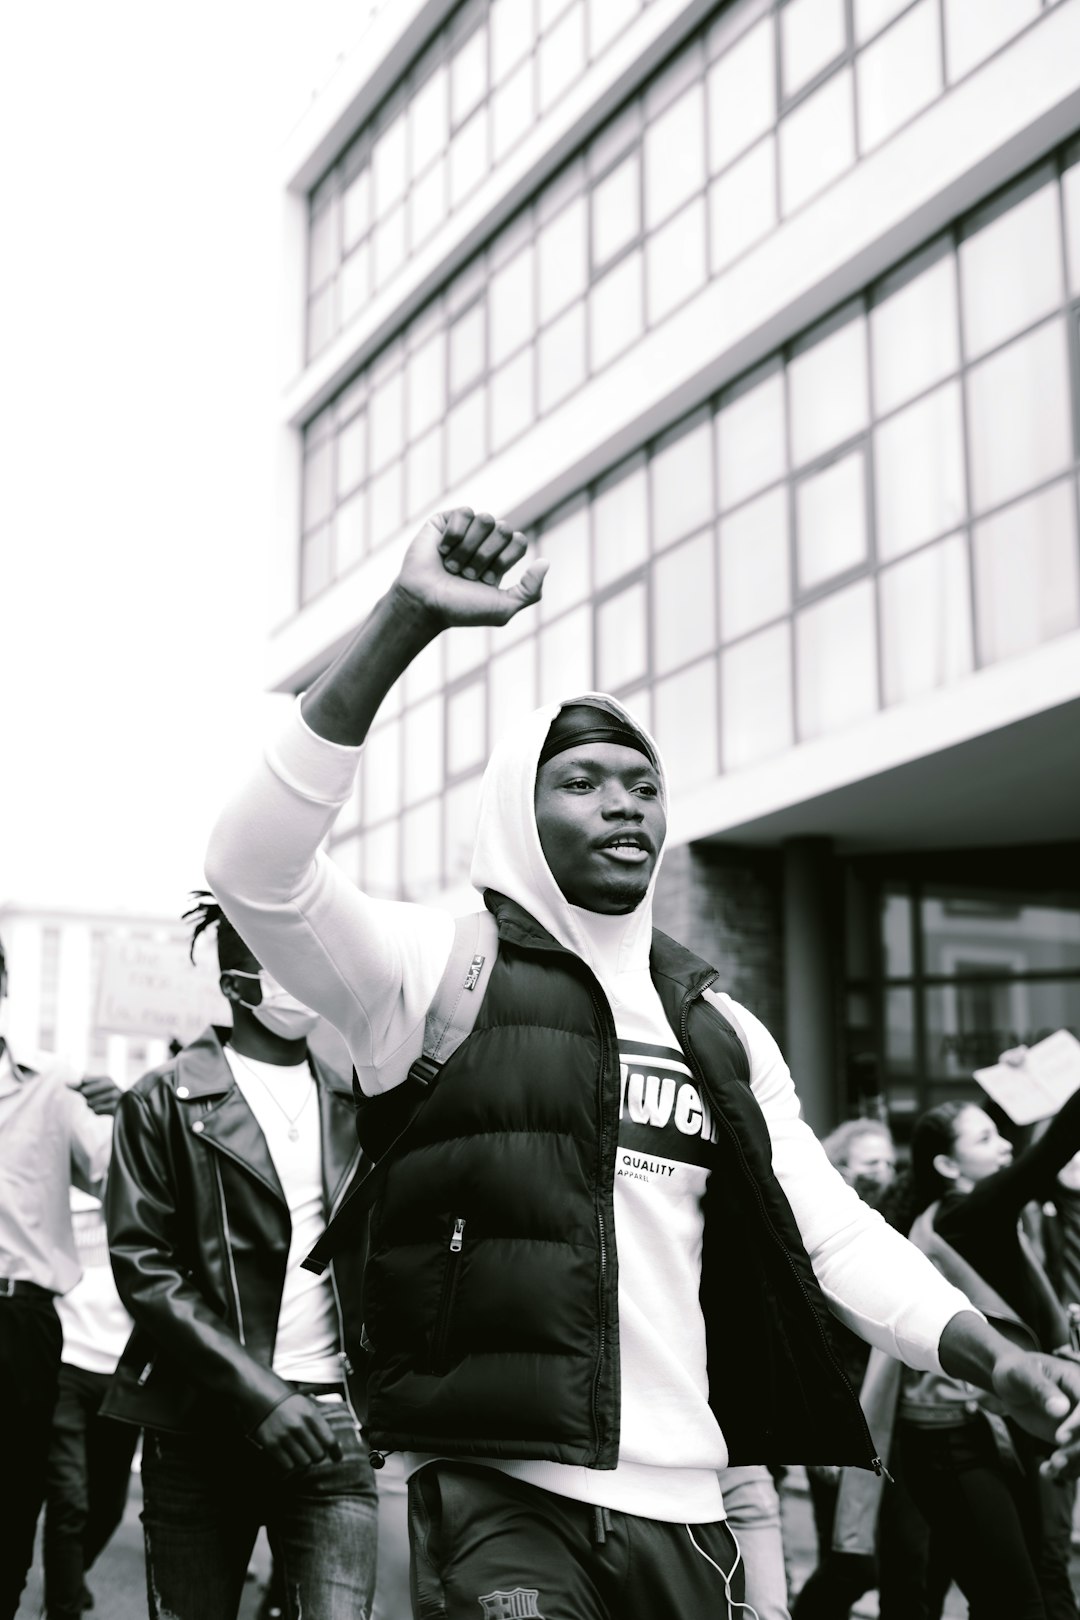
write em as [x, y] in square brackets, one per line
[444, 1313]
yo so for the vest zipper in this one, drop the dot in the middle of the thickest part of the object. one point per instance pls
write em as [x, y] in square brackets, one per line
[446, 1298]
[691, 1057]
[603, 1013]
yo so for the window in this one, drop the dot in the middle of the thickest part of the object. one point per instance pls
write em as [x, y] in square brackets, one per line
[608, 19]
[1019, 415]
[616, 210]
[813, 33]
[566, 656]
[817, 142]
[1010, 271]
[621, 638]
[742, 95]
[682, 484]
[467, 349]
[684, 708]
[562, 357]
[926, 621]
[872, 15]
[510, 307]
[512, 111]
[742, 204]
[466, 729]
[754, 567]
[828, 391]
[561, 57]
[564, 542]
[423, 749]
[750, 439]
[684, 594]
[830, 516]
[1026, 585]
[616, 311]
[511, 26]
[836, 660]
[928, 436]
[429, 121]
[975, 28]
[562, 260]
[675, 261]
[675, 156]
[914, 334]
[899, 74]
[620, 525]
[755, 687]
[511, 399]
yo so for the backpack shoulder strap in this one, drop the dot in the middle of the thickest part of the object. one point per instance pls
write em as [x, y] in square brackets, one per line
[456, 1002]
[450, 1017]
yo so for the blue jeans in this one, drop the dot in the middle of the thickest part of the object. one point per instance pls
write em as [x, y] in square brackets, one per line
[204, 1500]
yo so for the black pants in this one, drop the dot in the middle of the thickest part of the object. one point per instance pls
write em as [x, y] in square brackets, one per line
[484, 1544]
[86, 1487]
[29, 1362]
[986, 1514]
[911, 1577]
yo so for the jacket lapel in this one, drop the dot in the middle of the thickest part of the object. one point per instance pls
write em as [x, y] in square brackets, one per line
[224, 1122]
[337, 1127]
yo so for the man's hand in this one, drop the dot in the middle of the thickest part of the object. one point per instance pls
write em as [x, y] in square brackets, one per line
[100, 1092]
[455, 566]
[1042, 1393]
[295, 1434]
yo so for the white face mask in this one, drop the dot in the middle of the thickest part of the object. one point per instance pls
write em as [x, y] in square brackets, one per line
[278, 1011]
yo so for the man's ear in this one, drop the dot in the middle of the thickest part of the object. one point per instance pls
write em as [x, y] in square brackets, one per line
[229, 987]
[946, 1167]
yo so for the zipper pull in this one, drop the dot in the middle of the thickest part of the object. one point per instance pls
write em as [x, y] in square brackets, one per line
[458, 1236]
[881, 1471]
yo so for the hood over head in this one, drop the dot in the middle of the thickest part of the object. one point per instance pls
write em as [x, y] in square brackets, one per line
[508, 856]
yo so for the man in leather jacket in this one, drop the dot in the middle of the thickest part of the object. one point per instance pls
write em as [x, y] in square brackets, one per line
[227, 1163]
[604, 1247]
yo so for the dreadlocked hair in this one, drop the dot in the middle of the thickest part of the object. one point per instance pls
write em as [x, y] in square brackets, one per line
[205, 915]
[916, 1188]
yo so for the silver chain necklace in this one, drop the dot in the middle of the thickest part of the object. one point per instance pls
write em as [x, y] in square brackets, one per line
[294, 1128]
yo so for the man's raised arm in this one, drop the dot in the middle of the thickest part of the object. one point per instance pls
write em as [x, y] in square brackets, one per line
[369, 966]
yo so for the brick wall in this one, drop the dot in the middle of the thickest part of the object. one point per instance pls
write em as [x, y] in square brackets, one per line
[724, 903]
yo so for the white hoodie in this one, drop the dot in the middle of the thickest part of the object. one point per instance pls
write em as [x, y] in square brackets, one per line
[372, 968]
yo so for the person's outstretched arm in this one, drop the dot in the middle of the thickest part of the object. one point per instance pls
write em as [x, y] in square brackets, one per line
[1031, 1175]
[371, 967]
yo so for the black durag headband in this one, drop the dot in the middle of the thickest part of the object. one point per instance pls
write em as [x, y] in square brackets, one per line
[579, 723]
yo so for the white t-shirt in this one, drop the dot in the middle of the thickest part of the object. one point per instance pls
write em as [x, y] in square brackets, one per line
[95, 1323]
[284, 1100]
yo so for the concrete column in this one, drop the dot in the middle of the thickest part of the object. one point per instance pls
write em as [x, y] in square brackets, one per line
[811, 971]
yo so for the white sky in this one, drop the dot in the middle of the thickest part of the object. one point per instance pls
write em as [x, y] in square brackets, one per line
[140, 321]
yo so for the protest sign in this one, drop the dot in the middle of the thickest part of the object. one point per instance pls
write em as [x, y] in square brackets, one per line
[1036, 1088]
[149, 987]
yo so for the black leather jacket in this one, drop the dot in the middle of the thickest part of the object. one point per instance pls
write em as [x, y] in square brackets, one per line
[199, 1236]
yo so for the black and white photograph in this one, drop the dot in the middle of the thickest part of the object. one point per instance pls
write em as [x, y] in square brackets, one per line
[540, 810]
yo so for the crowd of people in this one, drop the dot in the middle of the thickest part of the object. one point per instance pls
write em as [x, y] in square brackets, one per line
[528, 1315]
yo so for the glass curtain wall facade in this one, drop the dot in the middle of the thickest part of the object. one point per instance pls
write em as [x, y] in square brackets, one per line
[759, 111]
[885, 505]
[952, 962]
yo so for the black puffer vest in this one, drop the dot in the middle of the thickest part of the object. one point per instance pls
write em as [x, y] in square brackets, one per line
[491, 1291]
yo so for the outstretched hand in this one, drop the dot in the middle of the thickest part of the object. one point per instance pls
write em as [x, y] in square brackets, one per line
[1041, 1392]
[455, 567]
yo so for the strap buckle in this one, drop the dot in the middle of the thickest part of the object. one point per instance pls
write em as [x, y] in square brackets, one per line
[425, 1070]
[7, 1287]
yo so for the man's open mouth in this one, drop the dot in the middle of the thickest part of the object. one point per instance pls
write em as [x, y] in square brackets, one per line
[633, 848]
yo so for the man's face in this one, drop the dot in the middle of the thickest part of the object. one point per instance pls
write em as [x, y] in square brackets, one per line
[871, 1165]
[601, 824]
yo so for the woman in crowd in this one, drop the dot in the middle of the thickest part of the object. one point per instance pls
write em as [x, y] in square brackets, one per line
[975, 1477]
